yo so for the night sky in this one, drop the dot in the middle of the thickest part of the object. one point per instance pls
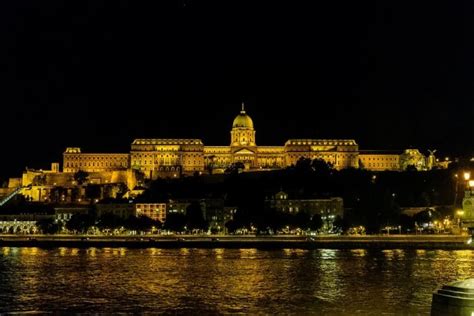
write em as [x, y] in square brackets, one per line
[97, 74]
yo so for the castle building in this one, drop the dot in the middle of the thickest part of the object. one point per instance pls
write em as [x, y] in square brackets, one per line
[153, 158]
[378, 160]
[174, 157]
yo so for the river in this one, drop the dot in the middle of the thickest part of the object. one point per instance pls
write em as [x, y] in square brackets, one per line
[223, 281]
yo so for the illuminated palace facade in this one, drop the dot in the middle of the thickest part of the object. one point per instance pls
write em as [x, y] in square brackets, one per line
[174, 157]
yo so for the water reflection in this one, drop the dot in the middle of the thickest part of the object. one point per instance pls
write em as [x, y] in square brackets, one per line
[215, 281]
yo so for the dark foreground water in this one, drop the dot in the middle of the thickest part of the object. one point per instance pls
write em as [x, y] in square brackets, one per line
[222, 281]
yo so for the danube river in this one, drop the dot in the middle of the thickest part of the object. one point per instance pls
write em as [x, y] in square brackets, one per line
[223, 281]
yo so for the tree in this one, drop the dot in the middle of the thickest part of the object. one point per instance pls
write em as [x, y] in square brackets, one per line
[211, 164]
[340, 224]
[425, 217]
[175, 222]
[93, 191]
[316, 222]
[303, 165]
[110, 221]
[81, 177]
[75, 194]
[48, 226]
[232, 226]
[411, 168]
[80, 223]
[301, 220]
[141, 223]
[195, 218]
[321, 166]
[407, 223]
[235, 167]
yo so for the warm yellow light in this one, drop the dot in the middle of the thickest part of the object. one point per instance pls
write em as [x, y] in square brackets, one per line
[467, 176]
[471, 183]
[460, 212]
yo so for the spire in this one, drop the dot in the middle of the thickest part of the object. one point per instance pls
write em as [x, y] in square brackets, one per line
[243, 108]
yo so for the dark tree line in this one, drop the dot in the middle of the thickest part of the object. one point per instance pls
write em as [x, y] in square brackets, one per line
[371, 199]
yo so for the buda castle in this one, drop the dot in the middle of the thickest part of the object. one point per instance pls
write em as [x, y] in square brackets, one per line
[172, 158]
[157, 158]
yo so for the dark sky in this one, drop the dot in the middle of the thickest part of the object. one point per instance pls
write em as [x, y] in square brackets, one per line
[96, 74]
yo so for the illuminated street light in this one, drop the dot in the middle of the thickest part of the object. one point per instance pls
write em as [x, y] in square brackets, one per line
[467, 176]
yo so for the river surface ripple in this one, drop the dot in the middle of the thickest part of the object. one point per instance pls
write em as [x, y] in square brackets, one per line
[226, 281]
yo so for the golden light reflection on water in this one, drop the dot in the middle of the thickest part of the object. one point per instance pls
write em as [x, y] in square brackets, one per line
[202, 252]
[154, 251]
[295, 252]
[6, 251]
[223, 281]
[248, 253]
[358, 252]
[92, 252]
[328, 253]
[392, 254]
[421, 252]
[29, 251]
[219, 253]
[464, 254]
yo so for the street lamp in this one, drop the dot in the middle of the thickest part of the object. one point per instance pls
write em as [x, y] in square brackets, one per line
[467, 176]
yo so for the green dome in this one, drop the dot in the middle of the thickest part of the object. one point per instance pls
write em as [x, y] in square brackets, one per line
[243, 120]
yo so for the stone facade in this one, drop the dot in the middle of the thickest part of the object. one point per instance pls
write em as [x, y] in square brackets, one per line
[74, 160]
[377, 160]
[329, 208]
[156, 211]
[174, 157]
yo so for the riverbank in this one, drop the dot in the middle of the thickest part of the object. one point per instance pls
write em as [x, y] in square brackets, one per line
[241, 242]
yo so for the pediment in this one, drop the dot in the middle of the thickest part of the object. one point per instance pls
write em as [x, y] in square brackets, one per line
[244, 151]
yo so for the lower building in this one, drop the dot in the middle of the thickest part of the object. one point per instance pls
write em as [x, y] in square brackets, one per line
[379, 160]
[123, 210]
[155, 211]
[23, 221]
[329, 209]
